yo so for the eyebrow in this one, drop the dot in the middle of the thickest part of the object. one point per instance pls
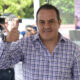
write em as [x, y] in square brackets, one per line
[48, 20]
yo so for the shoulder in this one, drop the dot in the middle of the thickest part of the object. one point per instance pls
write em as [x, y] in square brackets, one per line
[72, 46]
[71, 43]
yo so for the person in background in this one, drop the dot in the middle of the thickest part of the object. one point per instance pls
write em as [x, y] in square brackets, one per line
[3, 31]
[30, 30]
[77, 23]
[45, 56]
[77, 14]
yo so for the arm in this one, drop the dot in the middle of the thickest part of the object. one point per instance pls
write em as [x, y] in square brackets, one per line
[10, 52]
[76, 66]
[13, 33]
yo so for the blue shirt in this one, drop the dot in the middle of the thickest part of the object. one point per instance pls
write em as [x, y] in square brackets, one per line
[38, 63]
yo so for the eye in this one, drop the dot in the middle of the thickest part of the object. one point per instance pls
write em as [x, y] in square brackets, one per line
[42, 22]
[51, 21]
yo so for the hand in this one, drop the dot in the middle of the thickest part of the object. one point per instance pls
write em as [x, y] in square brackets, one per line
[13, 34]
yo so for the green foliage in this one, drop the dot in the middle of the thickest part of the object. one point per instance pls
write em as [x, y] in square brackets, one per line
[66, 8]
[17, 7]
[24, 8]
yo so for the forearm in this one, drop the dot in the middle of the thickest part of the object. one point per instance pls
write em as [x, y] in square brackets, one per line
[4, 48]
[9, 54]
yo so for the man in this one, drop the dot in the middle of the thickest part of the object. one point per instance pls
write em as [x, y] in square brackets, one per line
[77, 23]
[46, 55]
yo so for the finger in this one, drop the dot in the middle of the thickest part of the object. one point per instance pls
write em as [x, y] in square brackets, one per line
[6, 29]
[15, 23]
[3, 25]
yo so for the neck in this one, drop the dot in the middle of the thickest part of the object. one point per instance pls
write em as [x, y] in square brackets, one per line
[50, 44]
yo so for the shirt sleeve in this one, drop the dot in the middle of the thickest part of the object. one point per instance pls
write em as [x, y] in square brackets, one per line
[10, 54]
[76, 65]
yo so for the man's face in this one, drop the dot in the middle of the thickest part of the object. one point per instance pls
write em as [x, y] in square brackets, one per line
[48, 24]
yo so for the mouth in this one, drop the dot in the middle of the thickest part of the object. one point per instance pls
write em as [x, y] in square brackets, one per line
[47, 31]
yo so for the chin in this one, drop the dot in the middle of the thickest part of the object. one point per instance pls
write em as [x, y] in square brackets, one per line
[47, 38]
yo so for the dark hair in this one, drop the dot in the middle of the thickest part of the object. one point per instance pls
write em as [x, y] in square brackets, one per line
[31, 26]
[49, 6]
[27, 26]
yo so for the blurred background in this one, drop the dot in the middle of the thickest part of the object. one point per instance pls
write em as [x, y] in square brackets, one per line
[26, 10]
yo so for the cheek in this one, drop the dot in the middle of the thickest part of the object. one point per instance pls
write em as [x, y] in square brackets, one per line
[56, 27]
[40, 28]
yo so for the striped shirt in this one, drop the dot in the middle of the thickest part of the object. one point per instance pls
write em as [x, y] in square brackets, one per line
[38, 63]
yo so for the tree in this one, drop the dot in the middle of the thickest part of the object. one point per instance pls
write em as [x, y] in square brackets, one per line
[22, 8]
[66, 8]
[25, 9]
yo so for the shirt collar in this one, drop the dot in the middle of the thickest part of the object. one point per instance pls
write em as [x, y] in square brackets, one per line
[61, 38]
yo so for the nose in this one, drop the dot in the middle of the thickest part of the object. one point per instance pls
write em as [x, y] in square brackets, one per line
[47, 25]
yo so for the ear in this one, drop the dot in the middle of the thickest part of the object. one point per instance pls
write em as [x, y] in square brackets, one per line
[59, 22]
